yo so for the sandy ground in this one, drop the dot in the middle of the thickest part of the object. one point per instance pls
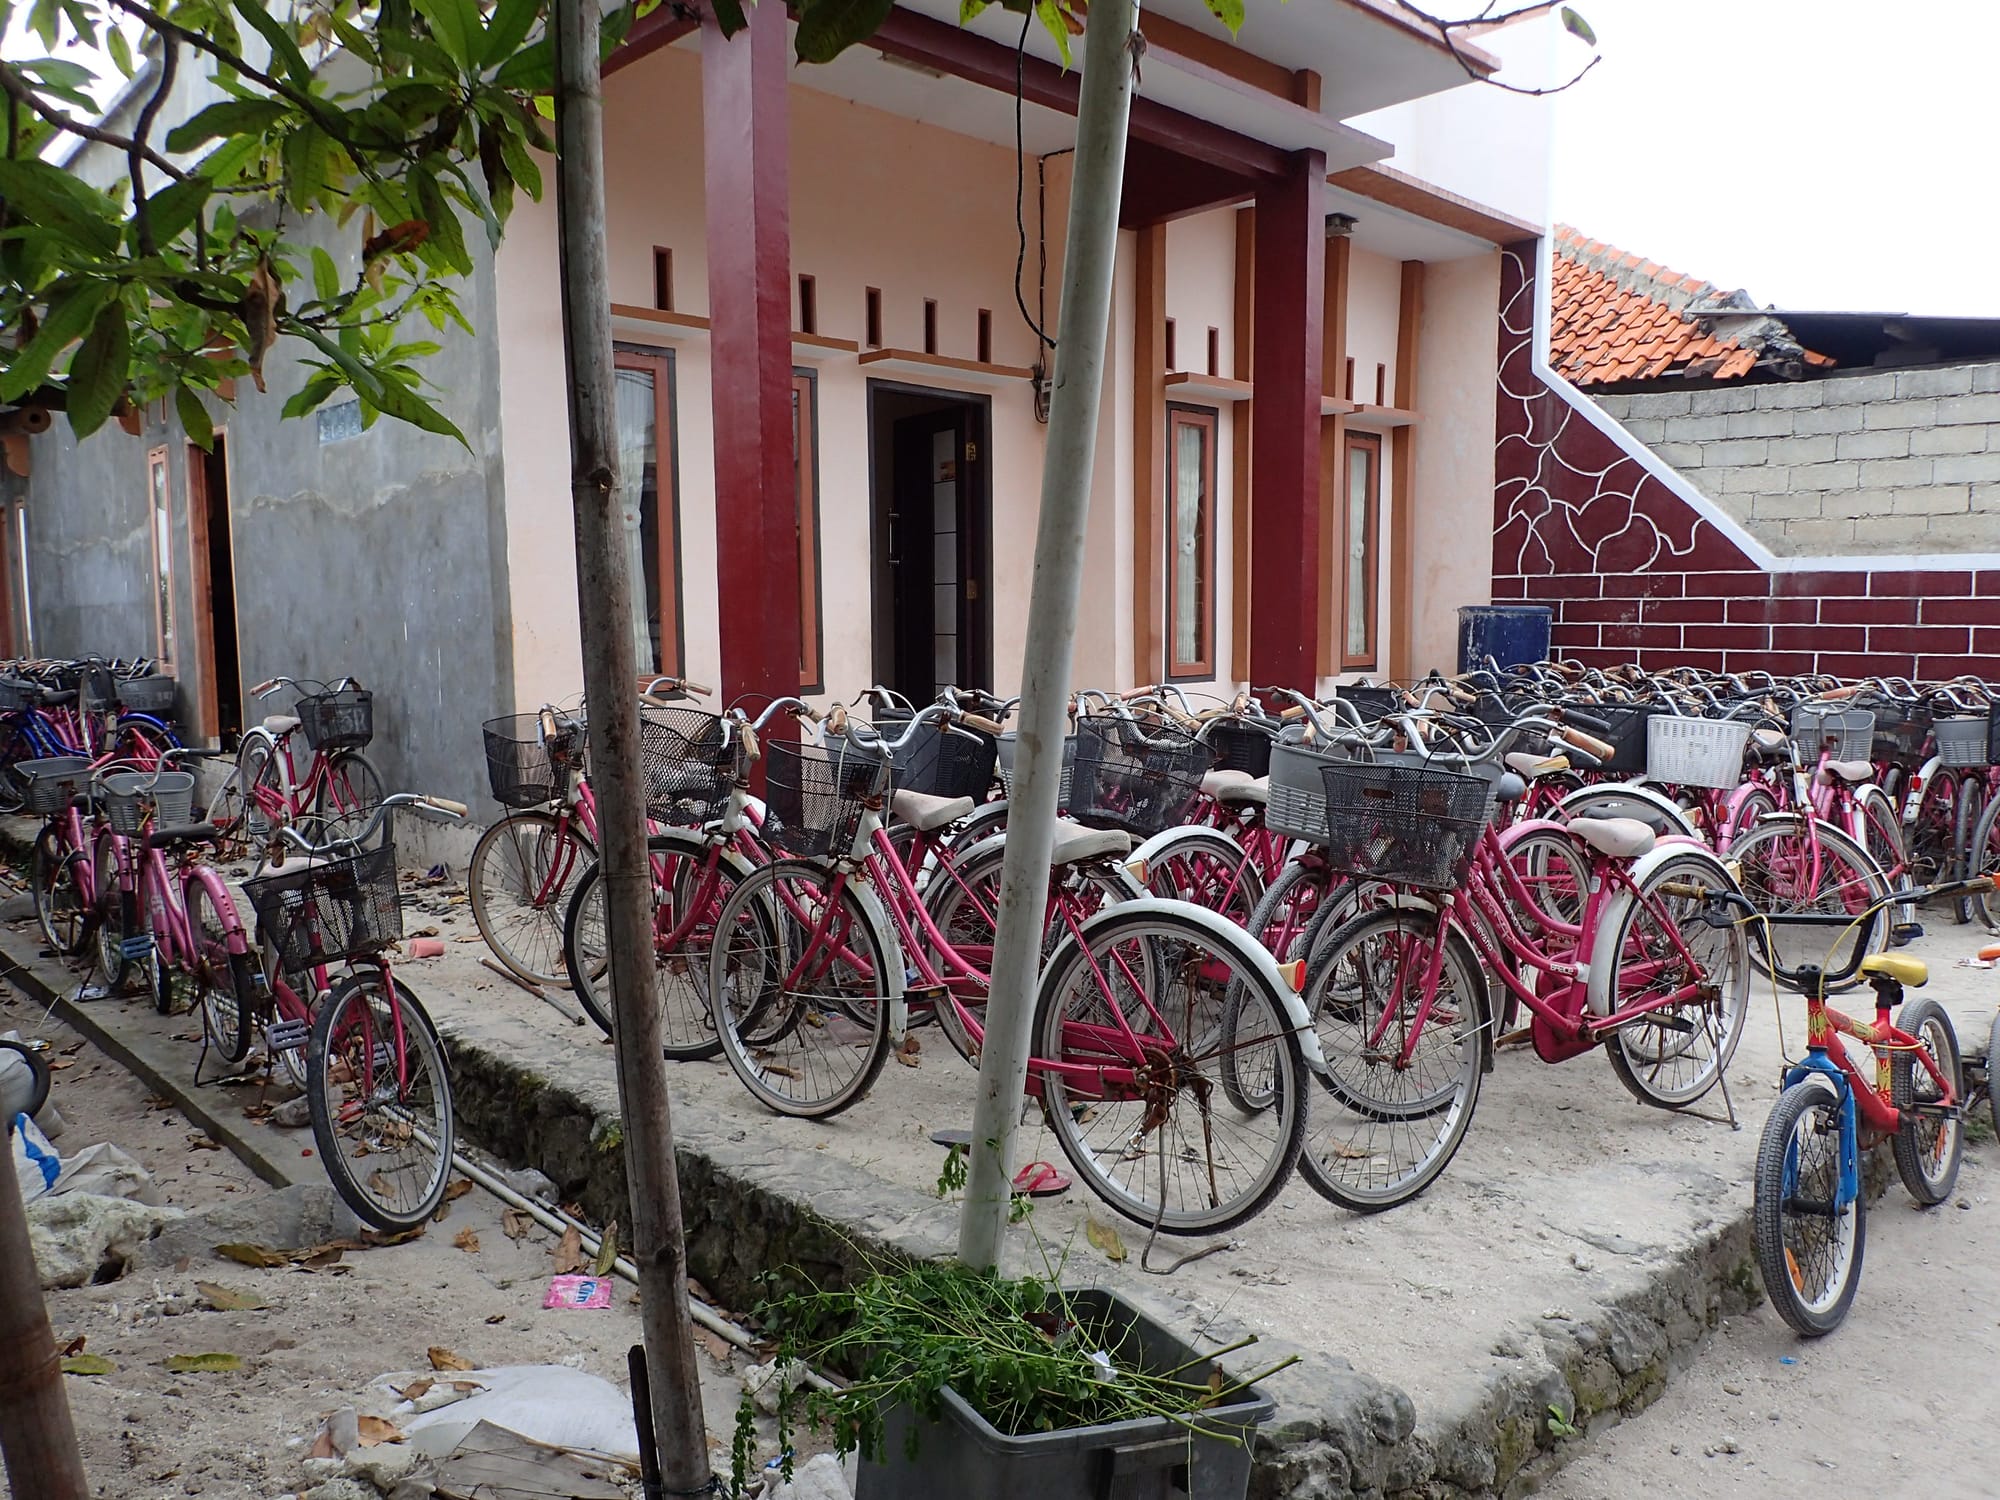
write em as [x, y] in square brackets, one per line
[1899, 1399]
[324, 1333]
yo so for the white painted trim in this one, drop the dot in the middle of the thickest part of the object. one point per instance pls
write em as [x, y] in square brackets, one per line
[1707, 509]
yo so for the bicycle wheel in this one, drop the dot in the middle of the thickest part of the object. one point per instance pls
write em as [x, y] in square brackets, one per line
[1657, 945]
[58, 880]
[14, 786]
[1982, 857]
[1165, 1147]
[1403, 1075]
[522, 874]
[225, 1010]
[688, 896]
[1883, 836]
[798, 983]
[1787, 866]
[1971, 809]
[381, 1102]
[110, 904]
[347, 797]
[1808, 1247]
[1208, 869]
[1282, 921]
[261, 781]
[1930, 1145]
[1931, 830]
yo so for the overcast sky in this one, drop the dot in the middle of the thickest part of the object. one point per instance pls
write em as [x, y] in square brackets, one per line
[1820, 154]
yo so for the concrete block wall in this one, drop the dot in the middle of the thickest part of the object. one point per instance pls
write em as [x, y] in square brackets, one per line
[1876, 463]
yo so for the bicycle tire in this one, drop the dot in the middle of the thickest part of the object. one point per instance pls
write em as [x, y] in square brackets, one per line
[1972, 800]
[1885, 843]
[510, 866]
[1781, 1232]
[773, 1037]
[1993, 1094]
[1927, 1156]
[1282, 922]
[1206, 868]
[1982, 857]
[262, 781]
[110, 904]
[61, 910]
[1775, 874]
[224, 1008]
[1636, 924]
[348, 794]
[987, 819]
[386, 1112]
[1929, 842]
[13, 787]
[1353, 1157]
[1182, 985]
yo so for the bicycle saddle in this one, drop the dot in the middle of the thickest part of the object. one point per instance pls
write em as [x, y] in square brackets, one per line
[926, 813]
[281, 724]
[1620, 838]
[192, 833]
[1853, 772]
[1901, 967]
[1528, 767]
[50, 698]
[1237, 786]
[1074, 843]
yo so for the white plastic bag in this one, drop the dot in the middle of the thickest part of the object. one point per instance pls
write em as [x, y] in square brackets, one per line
[36, 1163]
[551, 1404]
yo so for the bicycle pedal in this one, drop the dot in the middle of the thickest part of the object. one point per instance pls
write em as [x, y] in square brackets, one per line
[1904, 933]
[136, 948]
[286, 1036]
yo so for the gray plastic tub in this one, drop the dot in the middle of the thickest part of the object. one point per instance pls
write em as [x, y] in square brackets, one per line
[962, 1456]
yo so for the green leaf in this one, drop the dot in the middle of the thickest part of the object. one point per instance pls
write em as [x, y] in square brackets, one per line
[50, 196]
[306, 150]
[88, 1364]
[969, 10]
[311, 394]
[284, 50]
[729, 16]
[455, 25]
[1228, 12]
[512, 20]
[98, 369]
[1577, 27]
[386, 396]
[532, 68]
[200, 430]
[1050, 15]
[64, 324]
[326, 275]
[521, 165]
[447, 239]
[227, 118]
[174, 208]
[828, 28]
[211, 1364]
[121, 52]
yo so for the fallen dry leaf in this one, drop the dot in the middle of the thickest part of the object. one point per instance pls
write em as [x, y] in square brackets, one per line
[607, 1251]
[378, 1430]
[714, 1343]
[444, 1359]
[253, 1255]
[416, 1388]
[493, 1318]
[569, 1253]
[467, 1239]
[75, 1345]
[87, 1364]
[322, 1445]
[200, 1142]
[1105, 1238]
[227, 1299]
[515, 1224]
[457, 1188]
[214, 1363]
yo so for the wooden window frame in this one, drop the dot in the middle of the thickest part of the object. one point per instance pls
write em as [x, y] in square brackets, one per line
[812, 630]
[871, 300]
[808, 305]
[667, 498]
[1370, 659]
[663, 278]
[159, 478]
[1202, 666]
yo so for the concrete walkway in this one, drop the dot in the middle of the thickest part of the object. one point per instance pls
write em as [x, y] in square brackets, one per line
[1575, 1254]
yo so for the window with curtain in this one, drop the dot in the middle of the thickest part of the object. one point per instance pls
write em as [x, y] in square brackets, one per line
[159, 504]
[1360, 522]
[649, 505]
[805, 469]
[1191, 542]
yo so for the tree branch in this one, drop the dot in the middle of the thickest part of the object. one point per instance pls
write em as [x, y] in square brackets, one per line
[20, 91]
[135, 154]
[1487, 21]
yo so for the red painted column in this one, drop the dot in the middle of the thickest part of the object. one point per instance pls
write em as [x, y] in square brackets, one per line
[746, 156]
[1286, 589]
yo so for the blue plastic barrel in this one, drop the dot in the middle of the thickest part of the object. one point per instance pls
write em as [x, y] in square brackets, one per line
[1509, 633]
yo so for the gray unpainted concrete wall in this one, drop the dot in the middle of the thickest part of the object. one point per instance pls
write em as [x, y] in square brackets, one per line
[1876, 463]
[381, 555]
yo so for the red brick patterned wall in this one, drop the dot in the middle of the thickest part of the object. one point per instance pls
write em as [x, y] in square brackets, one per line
[1633, 571]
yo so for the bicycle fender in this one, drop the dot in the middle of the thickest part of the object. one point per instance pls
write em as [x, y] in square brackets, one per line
[1130, 884]
[1598, 991]
[891, 947]
[1657, 804]
[1240, 944]
[1825, 1073]
[1162, 843]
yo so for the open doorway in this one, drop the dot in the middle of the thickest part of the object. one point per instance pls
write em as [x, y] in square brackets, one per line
[933, 606]
[221, 687]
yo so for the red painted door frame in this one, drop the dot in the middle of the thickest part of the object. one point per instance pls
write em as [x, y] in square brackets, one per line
[746, 150]
[1287, 591]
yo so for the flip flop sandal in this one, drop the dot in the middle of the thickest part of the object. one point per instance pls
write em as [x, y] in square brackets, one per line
[1038, 1179]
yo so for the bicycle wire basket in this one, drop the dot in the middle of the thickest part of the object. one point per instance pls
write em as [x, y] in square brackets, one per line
[1240, 745]
[329, 911]
[1900, 731]
[1842, 733]
[338, 721]
[1370, 701]
[1006, 758]
[1143, 778]
[938, 762]
[147, 695]
[1964, 743]
[54, 781]
[1627, 734]
[1696, 752]
[689, 759]
[128, 795]
[525, 769]
[1405, 825]
[816, 795]
[96, 688]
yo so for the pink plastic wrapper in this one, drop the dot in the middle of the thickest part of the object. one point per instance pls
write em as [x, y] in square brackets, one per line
[578, 1291]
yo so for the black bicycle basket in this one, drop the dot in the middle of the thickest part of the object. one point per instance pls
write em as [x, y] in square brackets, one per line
[148, 695]
[816, 796]
[938, 762]
[523, 767]
[1240, 745]
[1407, 825]
[329, 911]
[1139, 777]
[338, 721]
[689, 761]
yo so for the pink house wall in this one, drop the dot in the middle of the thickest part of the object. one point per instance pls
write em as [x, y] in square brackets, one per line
[1636, 572]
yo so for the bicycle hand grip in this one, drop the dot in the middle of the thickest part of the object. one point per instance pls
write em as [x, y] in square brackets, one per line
[981, 723]
[836, 720]
[650, 701]
[1296, 711]
[1590, 745]
[1144, 690]
[1841, 692]
[696, 689]
[446, 805]
[1589, 721]
[265, 689]
[750, 749]
[1990, 952]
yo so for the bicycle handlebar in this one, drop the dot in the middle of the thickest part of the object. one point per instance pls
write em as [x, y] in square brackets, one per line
[342, 848]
